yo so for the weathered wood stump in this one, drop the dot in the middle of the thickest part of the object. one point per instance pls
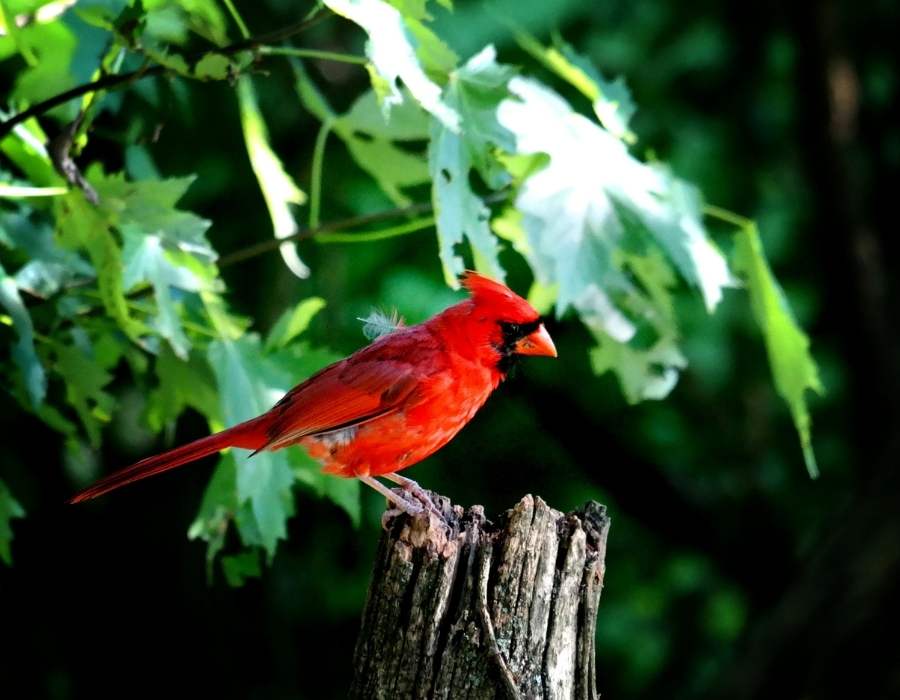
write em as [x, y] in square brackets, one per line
[470, 609]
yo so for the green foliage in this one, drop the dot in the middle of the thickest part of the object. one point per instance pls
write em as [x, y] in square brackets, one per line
[519, 176]
[23, 352]
[394, 55]
[279, 189]
[474, 91]
[792, 364]
[9, 510]
[373, 142]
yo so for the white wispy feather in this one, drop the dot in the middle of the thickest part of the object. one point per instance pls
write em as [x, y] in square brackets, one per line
[379, 323]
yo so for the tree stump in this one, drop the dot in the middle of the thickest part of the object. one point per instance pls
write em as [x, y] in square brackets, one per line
[469, 609]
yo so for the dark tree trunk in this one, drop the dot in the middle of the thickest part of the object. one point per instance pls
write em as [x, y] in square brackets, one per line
[472, 609]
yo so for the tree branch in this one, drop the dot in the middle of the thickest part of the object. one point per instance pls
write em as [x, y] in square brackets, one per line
[120, 79]
[271, 244]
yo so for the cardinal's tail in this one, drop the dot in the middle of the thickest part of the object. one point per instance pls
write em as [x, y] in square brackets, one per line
[250, 435]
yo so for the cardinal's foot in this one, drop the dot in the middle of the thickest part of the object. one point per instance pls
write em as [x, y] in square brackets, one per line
[416, 491]
[399, 501]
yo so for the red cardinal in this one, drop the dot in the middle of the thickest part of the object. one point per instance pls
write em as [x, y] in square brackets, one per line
[390, 404]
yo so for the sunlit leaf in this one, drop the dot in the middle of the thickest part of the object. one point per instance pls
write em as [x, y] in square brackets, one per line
[11, 28]
[10, 191]
[579, 213]
[213, 66]
[611, 100]
[150, 206]
[163, 245]
[54, 45]
[393, 55]
[9, 511]
[278, 188]
[475, 91]
[26, 147]
[146, 260]
[293, 322]
[793, 367]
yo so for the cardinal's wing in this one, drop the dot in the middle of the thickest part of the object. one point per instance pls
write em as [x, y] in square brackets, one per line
[364, 387]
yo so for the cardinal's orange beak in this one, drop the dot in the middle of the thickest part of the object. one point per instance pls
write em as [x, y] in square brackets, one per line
[536, 343]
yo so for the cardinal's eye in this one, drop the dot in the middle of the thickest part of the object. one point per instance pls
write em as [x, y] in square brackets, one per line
[511, 332]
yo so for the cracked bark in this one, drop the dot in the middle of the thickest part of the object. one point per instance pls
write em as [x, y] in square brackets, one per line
[472, 609]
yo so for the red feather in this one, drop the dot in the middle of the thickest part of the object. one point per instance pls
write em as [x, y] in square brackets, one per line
[390, 404]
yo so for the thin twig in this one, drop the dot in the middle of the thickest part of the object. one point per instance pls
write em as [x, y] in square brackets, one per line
[60, 149]
[271, 244]
[354, 221]
[104, 83]
[113, 81]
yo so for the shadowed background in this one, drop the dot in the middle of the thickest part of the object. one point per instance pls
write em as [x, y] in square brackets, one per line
[730, 573]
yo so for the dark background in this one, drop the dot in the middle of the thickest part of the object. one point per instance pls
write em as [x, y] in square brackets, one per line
[730, 572]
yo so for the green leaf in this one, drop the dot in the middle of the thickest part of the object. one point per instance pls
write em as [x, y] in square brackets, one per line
[24, 353]
[163, 245]
[591, 218]
[250, 382]
[171, 22]
[11, 28]
[249, 386]
[438, 59]
[213, 66]
[369, 137]
[278, 188]
[26, 147]
[293, 322]
[407, 122]
[147, 261]
[240, 567]
[150, 206]
[310, 95]
[85, 379]
[111, 15]
[475, 91]
[591, 186]
[460, 213]
[392, 51]
[55, 45]
[9, 511]
[81, 225]
[344, 493]
[182, 384]
[220, 503]
[793, 367]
